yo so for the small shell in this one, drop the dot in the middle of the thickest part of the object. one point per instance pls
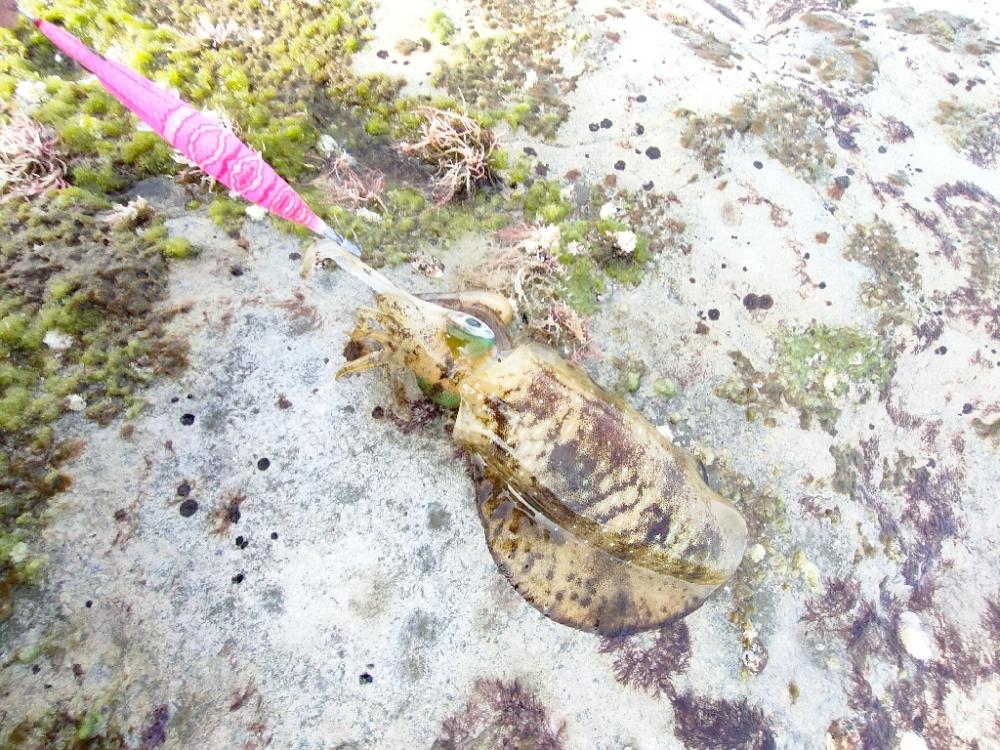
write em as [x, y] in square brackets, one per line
[914, 637]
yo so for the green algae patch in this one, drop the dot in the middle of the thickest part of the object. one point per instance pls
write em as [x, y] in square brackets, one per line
[179, 247]
[944, 30]
[704, 43]
[841, 55]
[824, 363]
[410, 221]
[708, 135]
[791, 125]
[63, 728]
[665, 388]
[227, 212]
[81, 329]
[765, 567]
[582, 283]
[441, 26]
[279, 74]
[813, 371]
[876, 246]
[513, 76]
[280, 77]
[973, 131]
[592, 248]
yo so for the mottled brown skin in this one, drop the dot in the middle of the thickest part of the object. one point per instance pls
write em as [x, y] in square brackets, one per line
[593, 516]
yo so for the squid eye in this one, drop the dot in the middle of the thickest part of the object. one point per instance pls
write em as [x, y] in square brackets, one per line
[472, 326]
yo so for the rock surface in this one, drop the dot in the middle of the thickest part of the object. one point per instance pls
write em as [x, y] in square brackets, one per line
[270, 559]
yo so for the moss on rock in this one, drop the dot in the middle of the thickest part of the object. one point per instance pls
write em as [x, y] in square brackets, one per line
[812, 371]
[791, 125]
[973, 131]
[81, 328]
[876, 246]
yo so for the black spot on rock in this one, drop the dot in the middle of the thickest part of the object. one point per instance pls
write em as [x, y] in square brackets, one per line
[274, 534]
[263, 463]
[842, 182]
[966, 408]
[529, 151]
[238, 578]
[758, 165]
[187, 419]
[758, 301]
[713, 314]
[647, 186]
[606, 123]
[365, 679]
[189, 507]
[183, 489]
[882, 149]
[382, 54]
[639, 129]
[653, 152]
[619, 165]
[594, 127]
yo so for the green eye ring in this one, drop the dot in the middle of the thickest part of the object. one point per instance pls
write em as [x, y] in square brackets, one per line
[470, 327]
[470, 336]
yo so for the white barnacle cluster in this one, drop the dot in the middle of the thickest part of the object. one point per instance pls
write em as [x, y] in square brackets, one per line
[625, 241]
[914, 636]
[219, 32]
[128, 215]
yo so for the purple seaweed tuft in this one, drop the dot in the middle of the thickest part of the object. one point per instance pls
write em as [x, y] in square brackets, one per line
[707, 724]
[499, 715]
[650, 667]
